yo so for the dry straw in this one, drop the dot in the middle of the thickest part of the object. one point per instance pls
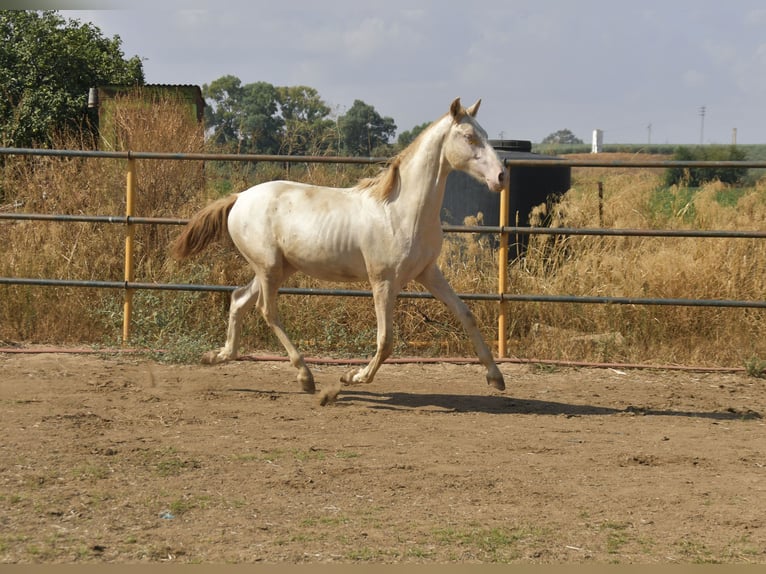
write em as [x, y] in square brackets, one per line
[186, 324]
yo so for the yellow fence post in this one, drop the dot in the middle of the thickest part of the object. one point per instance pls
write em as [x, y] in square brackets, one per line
[502, 264]
[129, 232]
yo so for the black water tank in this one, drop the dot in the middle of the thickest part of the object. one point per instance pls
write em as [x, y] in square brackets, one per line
[530, 187]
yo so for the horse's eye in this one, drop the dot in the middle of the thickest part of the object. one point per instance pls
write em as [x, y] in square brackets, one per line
[472, 139]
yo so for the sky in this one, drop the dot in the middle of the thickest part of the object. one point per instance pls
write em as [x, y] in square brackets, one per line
[640, 71]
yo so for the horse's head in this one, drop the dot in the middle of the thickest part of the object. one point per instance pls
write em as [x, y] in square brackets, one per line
[467, 149]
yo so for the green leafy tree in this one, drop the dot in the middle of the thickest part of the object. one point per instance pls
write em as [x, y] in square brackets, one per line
[243, 118]
[308, 129]
[261, 118]
[696, 176]
[406, 138]
[261, 126]
[222, 115]
[47, 65]
[363, 130]
[302, 103]
[562, 137]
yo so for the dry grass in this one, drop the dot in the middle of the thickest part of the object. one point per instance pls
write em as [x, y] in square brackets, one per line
[647, 267]
[188, 323]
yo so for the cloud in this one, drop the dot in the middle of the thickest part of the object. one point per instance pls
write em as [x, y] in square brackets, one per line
[539, 66]
[756, 18]
[693, 78]
[751, 72]
[192, 19]
[368, 39]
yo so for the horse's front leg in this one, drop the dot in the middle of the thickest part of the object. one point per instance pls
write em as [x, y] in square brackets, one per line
[433, 279]
[384, 296]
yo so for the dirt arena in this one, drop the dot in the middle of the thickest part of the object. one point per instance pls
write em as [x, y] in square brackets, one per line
[121, 459]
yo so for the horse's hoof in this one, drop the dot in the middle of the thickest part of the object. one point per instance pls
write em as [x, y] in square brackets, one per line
[212, 358]
[496, 382]
[307, 382]
[329, 396]
[308, 387]
[350, 377]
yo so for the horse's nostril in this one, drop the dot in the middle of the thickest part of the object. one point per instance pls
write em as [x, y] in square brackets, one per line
[501, 177]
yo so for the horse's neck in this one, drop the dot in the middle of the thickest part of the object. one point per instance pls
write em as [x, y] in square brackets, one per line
[423, 178]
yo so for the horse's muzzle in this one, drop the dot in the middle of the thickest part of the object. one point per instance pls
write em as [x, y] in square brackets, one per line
[498, 184]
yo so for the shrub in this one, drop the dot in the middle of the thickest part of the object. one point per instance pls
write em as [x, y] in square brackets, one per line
[697, 176]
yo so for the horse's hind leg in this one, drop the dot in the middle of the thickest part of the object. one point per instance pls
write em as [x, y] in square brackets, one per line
[268, 306]
[242, 300]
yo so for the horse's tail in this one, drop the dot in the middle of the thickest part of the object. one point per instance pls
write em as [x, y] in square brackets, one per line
[207, 225]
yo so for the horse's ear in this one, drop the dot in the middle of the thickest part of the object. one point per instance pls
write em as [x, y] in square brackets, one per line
[456, 109]
[474, 109]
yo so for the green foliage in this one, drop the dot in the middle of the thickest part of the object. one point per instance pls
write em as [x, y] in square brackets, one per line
[695, 177]
[364, 130]
[294, 120]
[755, 367]
[243, 118]
[307, 127]
[407, 137]
[562, 137]
[47, 65]
[672, 203]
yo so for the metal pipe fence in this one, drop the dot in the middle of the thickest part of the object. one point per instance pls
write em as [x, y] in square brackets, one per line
[502, 297]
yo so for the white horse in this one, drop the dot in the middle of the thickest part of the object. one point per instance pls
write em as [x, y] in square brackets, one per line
[386, 230]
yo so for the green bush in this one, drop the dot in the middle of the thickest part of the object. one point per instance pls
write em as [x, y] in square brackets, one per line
[697, 176]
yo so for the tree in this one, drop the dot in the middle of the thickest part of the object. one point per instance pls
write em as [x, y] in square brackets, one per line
[261, 125]
[243, 118]
[562, 137]
[224, 97]
[363, 129]
[261, 118]
[47, 65]
[308, 129]
[406, 138]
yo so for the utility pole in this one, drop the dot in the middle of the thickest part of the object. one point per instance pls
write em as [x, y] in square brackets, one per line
[702, 124]
[649, 129]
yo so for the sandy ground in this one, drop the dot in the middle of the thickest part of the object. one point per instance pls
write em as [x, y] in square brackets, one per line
[121, 459]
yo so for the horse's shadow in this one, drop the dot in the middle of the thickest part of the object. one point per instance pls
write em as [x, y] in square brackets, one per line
[494, 404]
[500, 405]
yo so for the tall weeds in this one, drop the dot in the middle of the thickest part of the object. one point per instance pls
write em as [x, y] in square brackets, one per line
[646, 267]
[185, 324]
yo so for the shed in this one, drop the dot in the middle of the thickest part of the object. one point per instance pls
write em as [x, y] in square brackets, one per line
[104, 98]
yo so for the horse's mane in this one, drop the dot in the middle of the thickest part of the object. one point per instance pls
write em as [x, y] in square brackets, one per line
[384, 185]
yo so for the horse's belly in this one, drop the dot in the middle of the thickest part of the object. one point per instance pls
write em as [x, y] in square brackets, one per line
[328, 265]
[335, 273]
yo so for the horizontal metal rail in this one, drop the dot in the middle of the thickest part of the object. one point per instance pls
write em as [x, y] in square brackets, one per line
[594, 161]
[638, 163]
[484, 229]
[123, 219]
[497, 297]
[516, 230]
[254, 157]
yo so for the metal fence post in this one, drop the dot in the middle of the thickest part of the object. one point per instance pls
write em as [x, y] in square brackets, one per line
[130, 229]
[502, 263]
